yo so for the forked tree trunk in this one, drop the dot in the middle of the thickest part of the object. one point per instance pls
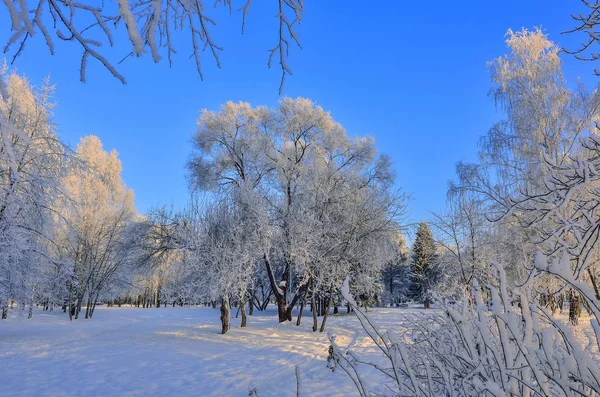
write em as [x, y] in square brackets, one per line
[284, 310]
[327, 309]
[281, 310]
[225, 323]
[87, 308]
[303, 305]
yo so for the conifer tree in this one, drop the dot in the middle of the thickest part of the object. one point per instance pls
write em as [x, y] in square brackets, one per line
[423, 257]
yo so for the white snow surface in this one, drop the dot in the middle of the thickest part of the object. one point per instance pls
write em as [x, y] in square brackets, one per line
[176, 352]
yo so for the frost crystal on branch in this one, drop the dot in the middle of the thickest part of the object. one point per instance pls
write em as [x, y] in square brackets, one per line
[150, 25]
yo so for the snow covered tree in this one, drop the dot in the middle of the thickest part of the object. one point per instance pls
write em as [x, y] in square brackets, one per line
[96, 221]
[466, 239]
[396, 273]
[150, 26]
[32, 162]
[229, 251]
[544, 127]
[325, 195]
[423, 260]
[544, 121]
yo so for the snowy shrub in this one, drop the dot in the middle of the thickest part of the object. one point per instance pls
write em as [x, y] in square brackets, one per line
[508, 346]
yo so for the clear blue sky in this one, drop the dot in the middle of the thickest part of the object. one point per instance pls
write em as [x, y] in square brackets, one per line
[411, 74]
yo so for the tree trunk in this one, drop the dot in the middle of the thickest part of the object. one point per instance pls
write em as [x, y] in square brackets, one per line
[574, 307]
[284, 310]
[243, 310]
[94, 302]
[326, 313]
[87, 308]
[78, 307]
[318, 305]
[313, 303]
[30, 314]
[303, 304]
[225, 324]
[250, 302]
[426, 304]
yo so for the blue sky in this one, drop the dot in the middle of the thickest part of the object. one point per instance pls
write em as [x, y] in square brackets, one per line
[411, 74]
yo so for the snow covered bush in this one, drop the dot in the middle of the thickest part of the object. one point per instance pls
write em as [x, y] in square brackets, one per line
[507, 346]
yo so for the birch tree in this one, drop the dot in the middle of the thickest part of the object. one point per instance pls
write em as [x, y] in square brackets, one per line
[31, 167]
[96, 220]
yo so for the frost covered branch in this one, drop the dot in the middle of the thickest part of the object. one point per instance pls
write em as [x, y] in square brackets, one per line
[512, 346]
[587, 23]
[150, 26]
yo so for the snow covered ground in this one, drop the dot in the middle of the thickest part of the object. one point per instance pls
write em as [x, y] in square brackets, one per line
[174, 352]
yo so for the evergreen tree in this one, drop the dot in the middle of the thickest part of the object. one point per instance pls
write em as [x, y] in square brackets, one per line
[423, 257]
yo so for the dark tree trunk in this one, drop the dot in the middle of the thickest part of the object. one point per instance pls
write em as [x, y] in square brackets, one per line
[313, 303]
[94, 303]
[303, 304]
[318, 305]
[70, 304]
[282, 311]
[426, 304]
[225, 324]
[87, 308]
[78, 307]
[574, 307]
[243, 310]
[327, 309]
[250, 302]
[4, 312]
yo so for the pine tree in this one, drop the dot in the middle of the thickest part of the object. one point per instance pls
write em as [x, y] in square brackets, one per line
[423, 257]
